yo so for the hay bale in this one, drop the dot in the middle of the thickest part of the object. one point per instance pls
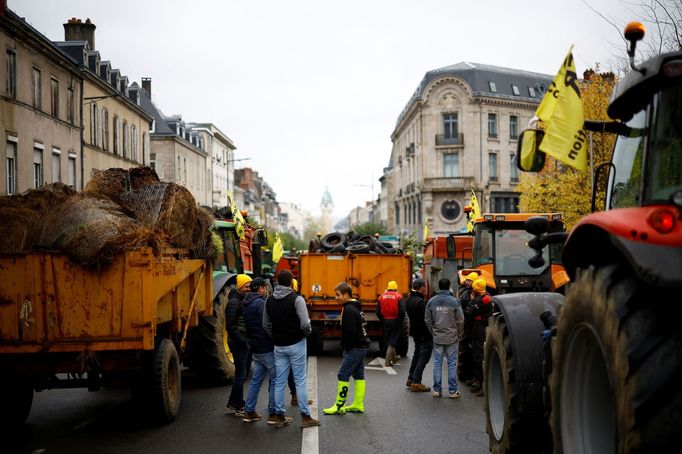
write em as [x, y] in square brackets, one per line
[204, 244]
[93, 230]
[112, 183]
[142, 176]
[167, 208]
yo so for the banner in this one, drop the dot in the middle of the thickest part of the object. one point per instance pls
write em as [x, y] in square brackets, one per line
[277, 249]
[562, 113]
[237, 218]
[426, 229]
[475, 212]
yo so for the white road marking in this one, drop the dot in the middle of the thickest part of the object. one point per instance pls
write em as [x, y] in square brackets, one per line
[378, 364]
[310, 443]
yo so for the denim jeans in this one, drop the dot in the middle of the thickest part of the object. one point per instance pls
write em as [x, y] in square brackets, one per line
[352, 363]
[450, 352]
[240, 353]
[420, 358]
[291, 357]
[263, 363]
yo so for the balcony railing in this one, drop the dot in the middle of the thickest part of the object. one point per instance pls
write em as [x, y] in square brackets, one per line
[447, 184]
[443, 140]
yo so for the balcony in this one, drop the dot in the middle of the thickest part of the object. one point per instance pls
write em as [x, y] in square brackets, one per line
[443, 141]
[446, 184]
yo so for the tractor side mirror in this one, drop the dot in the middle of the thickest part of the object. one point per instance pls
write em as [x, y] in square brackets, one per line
[537, 225]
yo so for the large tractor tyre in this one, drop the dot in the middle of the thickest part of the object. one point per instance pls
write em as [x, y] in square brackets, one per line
[403, 344]
[617, 364]
[165, 382]
[16, 398]
[315, 341]
[209, 352]
[508, 431]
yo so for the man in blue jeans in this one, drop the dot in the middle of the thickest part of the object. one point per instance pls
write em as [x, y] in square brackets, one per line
[262, 350]
[354, 342]
[445, 321]
[286, 320]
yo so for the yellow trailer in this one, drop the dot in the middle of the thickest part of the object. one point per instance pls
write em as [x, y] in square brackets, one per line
[128, 324]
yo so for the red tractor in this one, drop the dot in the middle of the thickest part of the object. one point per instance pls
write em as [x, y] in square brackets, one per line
[599, 370]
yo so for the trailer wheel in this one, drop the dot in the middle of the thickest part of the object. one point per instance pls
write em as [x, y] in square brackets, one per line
[209, 352]
[16, 399]
[617, 361]
[166, 382]
[403, 344]
[316, 340]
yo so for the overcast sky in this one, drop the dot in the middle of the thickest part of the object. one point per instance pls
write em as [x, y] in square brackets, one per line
[310, 90]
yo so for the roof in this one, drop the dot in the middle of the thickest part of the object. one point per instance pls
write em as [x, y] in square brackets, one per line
[160, 126]
[479, 77]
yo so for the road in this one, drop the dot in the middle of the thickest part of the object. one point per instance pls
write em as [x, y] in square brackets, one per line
[396, 420]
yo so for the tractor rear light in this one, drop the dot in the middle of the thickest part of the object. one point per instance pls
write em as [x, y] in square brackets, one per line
[672, 68]
[663, 221]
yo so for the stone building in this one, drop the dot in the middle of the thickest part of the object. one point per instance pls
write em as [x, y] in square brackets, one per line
[40, 119]
[259, 199]
[115, 127]
[458, 131]
[292, 219]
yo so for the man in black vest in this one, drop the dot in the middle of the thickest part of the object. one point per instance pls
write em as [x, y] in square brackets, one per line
[286, 320]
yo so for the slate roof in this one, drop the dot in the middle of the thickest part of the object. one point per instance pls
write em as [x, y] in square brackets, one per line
[160, 126]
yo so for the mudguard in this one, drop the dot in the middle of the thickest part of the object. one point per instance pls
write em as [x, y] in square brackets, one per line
[220, 281]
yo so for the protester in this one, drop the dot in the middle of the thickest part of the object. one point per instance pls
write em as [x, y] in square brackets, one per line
[354, 342]
[391, 312]
[445, 321]
[479, 310]
[262, 350]
[286, 320]
[465, 363]
[236, 340]
[423, 342]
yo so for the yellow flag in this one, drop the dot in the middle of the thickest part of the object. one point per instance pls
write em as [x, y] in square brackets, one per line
[475, 212]
[277, 249]
[426, 229]
[237, 218]
[562, 113]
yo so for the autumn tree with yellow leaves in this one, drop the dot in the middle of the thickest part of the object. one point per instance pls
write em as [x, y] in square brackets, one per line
[560, 188]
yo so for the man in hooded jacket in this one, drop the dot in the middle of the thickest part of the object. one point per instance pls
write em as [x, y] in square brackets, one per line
[236, 340]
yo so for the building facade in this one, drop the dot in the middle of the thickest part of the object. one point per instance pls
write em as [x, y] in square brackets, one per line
[458, 131]
[259, 199]
[292, 219]
[40, 118]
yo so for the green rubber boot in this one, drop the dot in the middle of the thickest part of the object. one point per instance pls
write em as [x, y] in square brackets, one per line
[342, 393]
[358, 405]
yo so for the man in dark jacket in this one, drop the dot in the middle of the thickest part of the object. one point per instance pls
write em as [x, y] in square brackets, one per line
[465, 362]
[391, 312]
[236, 340]
[480, 309]
[423, 342]
[262, 350]
[286, 320]
[354, 342]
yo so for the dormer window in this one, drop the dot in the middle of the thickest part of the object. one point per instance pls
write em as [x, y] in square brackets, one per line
[531, 92]
[515, 90]
[493, 87]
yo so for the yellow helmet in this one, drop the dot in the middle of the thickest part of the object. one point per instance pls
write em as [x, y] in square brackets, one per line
[242, 280]
[294, 285]
[392, 285]
[471, 276]
[479, 285]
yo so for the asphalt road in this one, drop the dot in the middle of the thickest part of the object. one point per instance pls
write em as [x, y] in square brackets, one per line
[396, 421]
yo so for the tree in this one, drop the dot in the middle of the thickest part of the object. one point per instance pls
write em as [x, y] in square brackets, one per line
[311, 228]
[289, 241]
[561, 188]
[369, 228]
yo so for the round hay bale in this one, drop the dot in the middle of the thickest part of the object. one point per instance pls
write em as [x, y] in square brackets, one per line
[168, 208]
[112, 183]
[204, 244]
[142, 176]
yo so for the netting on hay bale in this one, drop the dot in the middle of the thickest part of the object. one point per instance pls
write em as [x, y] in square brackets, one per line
[142, 176]
[93, 230]
[22, 215]
[204, 244]
[112, 183]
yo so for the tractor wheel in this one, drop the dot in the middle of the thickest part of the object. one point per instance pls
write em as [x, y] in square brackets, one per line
[617, 363]
[316, 340]
[507, 431]
[209, 352]
[166, 390]
[403, 344]
[16, 398]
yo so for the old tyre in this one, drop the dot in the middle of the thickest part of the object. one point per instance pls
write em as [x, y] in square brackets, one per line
[358, 248]
[16, 398]
[209, 353]
[165, 386]
[617, 366]
[315, 340]
[404, 339]
[332, 239]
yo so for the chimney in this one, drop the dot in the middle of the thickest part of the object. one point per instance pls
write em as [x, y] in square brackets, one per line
[147, 85]
[3, 8]
[77, 30]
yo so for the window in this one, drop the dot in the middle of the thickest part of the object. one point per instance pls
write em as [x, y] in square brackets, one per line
[56, 166]
[72, 171]
[70, 107]
[117, 135]
[145, 148]
[11, 168]
[133, 142]
[11, 73]
[492, 166]
[397, 214]
[531, 92]
[515, 90]
[513, 127]
[93, 124]
[513, 170]
[54, 96]
[492, 126]
[450, 210]
[36, 88]
[126, 140]
[184, 173]
[505, 204]
[105, 129]
[450, 125]
[37, 168]
[152, 161]
[493, 88]
[179, 176]
[451, 165]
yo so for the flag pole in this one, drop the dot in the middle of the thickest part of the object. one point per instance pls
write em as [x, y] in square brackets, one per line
[591, 167]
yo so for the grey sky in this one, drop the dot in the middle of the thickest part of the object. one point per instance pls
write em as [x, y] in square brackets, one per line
[310, 89]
